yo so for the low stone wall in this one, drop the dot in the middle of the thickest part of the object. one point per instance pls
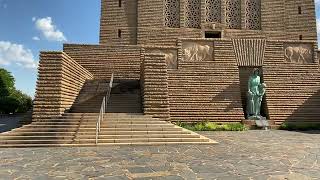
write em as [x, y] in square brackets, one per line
[154, 85]
[59, 83]
[103, 60]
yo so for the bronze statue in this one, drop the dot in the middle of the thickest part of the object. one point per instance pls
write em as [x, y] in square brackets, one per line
[256, 91]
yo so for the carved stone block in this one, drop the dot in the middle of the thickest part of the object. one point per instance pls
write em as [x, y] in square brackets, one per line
[197, 51]
[298, 53]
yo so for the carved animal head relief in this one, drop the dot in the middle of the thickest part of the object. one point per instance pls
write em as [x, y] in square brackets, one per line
[197, 51]
[301, 53]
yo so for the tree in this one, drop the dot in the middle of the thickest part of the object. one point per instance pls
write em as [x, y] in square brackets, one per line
[6, 83]
[12, 100]
[24, 101]
[8, 104]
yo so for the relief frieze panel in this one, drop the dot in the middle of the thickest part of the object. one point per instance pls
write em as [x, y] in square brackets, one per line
[301, 53]
[197, 51]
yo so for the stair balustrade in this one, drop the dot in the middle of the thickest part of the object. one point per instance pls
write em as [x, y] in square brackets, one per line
[103, 108]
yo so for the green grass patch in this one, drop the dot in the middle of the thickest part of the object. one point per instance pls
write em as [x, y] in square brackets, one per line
[209, 126]
[299, 126]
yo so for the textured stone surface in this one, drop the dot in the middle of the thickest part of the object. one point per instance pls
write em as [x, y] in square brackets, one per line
[194, 91]
[103, 60]
[59, 82]
[279, 20]
[273, 155]
[155, 86]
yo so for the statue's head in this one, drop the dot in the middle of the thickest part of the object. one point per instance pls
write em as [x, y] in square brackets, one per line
[256, 72]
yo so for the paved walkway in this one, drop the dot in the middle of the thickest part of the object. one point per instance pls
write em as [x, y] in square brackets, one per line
[9, 122]
[239, 155]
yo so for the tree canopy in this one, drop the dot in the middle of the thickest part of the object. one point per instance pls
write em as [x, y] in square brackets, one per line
[12, 100]
[6, 83]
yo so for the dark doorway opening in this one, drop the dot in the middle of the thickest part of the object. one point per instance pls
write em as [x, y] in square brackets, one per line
[125, 97]
[244, 74]
[212, 34]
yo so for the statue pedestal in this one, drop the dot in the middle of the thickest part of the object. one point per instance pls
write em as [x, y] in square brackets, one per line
[260, 121]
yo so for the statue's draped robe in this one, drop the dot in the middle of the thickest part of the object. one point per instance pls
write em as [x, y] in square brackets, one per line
[254, 102]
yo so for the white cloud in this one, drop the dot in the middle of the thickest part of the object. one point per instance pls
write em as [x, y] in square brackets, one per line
[17, 54]
[34, 19]
[49, 30]
[36, 38]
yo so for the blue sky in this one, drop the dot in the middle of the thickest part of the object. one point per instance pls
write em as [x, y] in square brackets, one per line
[31, 26]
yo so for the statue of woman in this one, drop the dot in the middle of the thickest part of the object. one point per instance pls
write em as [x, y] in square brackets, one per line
[256, 91]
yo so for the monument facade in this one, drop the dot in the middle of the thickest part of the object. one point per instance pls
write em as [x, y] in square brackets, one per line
[193, 59]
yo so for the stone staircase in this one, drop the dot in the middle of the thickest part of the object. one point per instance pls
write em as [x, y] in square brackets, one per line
[79, 129]
[90, 97]
[124, 124]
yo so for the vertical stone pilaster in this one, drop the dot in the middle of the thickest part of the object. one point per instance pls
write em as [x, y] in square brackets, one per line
[154, 80]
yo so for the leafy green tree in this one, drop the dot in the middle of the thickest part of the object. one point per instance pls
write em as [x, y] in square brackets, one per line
[8, 105]
[25, 101]
[6, 83]
[12, 100]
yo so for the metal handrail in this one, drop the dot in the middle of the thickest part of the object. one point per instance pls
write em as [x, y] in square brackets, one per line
[103, 108]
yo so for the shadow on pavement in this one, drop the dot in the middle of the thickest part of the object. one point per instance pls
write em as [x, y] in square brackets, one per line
[9, 122]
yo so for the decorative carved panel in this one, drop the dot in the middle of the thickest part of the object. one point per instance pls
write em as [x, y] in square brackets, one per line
[171, 13]
[192, 14]
[233, 14]
[249, 52]
[213, 10]
[171, 56]
[298, 53]
[197, 51]
[253, 14]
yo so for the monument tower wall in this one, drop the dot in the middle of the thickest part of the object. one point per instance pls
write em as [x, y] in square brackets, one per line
[161, 21]
[118, 23]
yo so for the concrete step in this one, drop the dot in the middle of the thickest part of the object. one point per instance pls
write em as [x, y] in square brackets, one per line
[105, 144]
[105, 125]
[36, 141]
[86, 129]
[109, 122]
[37, 137]
[137, 140]
[93, 136]
[143, 136]
[116, 129]
[94, 120]
[92, 133]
